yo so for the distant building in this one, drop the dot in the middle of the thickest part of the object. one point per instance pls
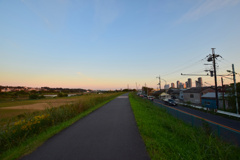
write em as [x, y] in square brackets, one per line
[196, 83]
[186, 83]
[200, 81]
[193, 95]
[189, 83]
[166, 86]
[209, 101]
[178, 84]
[181, 93]
[173, 92]
[164, 96]
[181, 86]
[172, 85]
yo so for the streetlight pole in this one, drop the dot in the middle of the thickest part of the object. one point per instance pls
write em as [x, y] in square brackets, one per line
[235, 86]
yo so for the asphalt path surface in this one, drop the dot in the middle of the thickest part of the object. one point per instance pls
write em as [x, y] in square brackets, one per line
[215, 118]
[109, 133]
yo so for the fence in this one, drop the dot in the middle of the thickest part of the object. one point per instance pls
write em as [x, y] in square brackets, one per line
[225, 133]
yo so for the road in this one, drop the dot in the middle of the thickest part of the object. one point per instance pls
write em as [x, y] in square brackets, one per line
[109, 133]
[215, 118]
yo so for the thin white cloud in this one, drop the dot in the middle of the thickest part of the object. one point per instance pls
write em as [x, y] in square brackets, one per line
[206, 7]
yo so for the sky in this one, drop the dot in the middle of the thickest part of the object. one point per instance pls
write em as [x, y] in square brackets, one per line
[115, 44]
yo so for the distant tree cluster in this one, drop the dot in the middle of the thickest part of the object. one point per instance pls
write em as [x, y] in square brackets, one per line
[129, 90]
[65, 90]
[231, 95]
[60, 94]
[36, 96]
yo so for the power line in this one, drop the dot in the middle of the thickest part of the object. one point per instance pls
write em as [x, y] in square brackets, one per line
[182, 68]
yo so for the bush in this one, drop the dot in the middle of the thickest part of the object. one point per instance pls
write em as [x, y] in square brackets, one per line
[33, 96]
[62, 94]
[36, 96]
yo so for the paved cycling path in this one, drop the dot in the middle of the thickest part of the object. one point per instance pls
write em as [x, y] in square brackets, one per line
[109, 133]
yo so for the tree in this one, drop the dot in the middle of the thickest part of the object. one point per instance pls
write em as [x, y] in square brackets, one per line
[60, 94]
[231, 96]
[146, 90]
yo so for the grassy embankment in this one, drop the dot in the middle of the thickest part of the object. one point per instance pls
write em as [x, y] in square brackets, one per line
[166, 137]
[26, 134]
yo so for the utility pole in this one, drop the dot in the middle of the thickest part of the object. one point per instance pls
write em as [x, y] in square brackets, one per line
[215, 75]
[213, 58]
[159, 82]
[235, 87]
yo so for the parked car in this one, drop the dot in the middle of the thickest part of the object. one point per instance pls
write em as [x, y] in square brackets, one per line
[170, 102]
[151, 98]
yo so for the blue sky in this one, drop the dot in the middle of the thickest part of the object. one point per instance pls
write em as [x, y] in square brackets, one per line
[109, 44]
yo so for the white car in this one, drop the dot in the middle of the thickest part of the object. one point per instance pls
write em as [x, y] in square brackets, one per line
[151, 98]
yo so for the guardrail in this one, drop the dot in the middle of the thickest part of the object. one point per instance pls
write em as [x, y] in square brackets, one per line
[218, 111]
[225, 133]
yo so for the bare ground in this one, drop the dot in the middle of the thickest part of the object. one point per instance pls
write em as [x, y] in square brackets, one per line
[6, 112]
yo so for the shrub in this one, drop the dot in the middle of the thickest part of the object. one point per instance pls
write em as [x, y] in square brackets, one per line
[62, 94]
[36, 96]
[33, 96]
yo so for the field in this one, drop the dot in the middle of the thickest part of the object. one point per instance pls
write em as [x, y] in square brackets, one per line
[17, 108]
[166, 137]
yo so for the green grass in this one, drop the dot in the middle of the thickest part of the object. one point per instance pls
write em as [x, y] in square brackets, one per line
[18, 103]
[166, 137]
[63, 119]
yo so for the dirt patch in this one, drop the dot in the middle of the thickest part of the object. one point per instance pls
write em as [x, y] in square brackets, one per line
[8, 112]
[38, 106]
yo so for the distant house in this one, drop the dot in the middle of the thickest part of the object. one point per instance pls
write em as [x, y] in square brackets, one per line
[157, 93]
[164, 96]
[181, 94]
[209, 101]
[6, 89]
[194, 95]
[174, 92]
